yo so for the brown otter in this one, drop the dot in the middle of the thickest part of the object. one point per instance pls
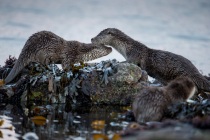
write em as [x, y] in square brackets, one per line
[162, 65]
[46, 47]
[151, 102]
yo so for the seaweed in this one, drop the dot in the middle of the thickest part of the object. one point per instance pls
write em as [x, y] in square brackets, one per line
[189, 110]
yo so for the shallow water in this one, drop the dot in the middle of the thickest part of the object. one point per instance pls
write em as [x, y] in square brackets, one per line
[64, 122]
[178, 26]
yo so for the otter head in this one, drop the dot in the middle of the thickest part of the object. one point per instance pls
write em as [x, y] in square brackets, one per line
[107, 36]
[181, 88]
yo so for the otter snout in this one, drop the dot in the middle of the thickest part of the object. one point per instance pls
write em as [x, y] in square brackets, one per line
[93, 40]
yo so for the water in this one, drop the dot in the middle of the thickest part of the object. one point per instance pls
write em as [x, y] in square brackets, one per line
[62, 121]
[178, 26]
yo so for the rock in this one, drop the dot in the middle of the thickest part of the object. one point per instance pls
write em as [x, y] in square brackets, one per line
[125, 73]
[168, 130]
[123, 84]
[107, 82]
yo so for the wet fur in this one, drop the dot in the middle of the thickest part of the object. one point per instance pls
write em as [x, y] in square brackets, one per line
[46, 47]
[162, 65]
[151, 103]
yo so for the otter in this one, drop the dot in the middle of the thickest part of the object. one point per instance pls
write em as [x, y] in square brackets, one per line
[45, 47]
[161, 65]
[151, 103]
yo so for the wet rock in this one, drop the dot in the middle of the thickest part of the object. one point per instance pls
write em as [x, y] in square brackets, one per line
[125, 73]
[164, 131]
[107, 82]
[123, 84]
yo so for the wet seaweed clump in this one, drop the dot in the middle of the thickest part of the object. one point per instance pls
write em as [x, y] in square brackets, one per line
[189, 110]
[195, 113]
[9, 63]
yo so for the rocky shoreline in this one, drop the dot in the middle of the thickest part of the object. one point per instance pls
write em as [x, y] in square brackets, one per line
[106, 83]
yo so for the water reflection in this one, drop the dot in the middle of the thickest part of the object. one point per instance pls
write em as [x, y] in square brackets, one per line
[64, 121]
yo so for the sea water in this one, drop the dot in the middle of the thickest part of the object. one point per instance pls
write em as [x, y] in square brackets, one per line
[181, 27]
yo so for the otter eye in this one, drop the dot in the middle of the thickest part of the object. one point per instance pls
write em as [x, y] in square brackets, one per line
[110, 33]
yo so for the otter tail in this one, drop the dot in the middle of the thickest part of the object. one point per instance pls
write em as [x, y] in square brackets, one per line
[19, 65]
[201, 82]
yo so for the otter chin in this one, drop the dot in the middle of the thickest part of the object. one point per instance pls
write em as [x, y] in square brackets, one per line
[151, 103]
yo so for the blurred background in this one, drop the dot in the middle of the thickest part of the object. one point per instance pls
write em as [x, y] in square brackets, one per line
[181, 27]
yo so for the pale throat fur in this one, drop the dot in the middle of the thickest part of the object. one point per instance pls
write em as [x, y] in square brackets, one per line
[130, 51]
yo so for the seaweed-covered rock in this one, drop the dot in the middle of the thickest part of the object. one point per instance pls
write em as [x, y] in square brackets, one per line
[107, 82]
[122, 85]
